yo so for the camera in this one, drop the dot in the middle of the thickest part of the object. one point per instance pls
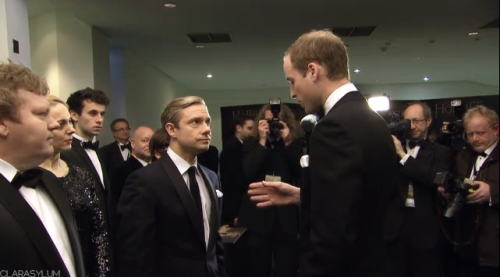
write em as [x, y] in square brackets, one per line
[275, 125]
[400, 128]
[457, 126]
[459, 189]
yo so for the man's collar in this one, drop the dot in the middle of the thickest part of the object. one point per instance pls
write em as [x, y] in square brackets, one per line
[94, 139]
[338, 94]
[182, 165]
[492, 147]
[7, 170]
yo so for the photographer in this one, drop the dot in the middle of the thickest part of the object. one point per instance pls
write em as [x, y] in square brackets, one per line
[479, 162]
[415, 245]
[271, 154]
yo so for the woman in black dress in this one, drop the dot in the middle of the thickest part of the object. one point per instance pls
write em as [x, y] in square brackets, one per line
[81, 191]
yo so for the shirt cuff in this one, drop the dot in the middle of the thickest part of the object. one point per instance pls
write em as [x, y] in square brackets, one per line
[404, 159]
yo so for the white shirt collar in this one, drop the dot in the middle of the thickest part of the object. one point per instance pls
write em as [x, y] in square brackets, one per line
[181, 164]
[82, 139]
[338, 94]
[144, 163]
[490, 150]
[7, 170]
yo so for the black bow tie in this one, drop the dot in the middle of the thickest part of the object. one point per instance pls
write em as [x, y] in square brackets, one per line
[414, 143]
[27, 179]
[126, 146]
[484, 155]
[89, 145]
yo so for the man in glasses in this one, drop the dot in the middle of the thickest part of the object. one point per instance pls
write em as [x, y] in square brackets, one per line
[119, 151]
[415, 237]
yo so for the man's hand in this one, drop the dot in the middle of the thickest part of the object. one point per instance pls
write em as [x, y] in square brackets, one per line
[481, 195]
[263, 129]
[444, 193]
[285, 133]
[399, 147]
[268, 194]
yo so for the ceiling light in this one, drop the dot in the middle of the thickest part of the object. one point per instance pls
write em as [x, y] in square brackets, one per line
[357, 70]
[169, 5]
[379, 103]
[209, 76]
[473, 33]
[427, 79]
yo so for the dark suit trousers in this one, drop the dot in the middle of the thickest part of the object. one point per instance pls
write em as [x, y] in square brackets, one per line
[405, 259]
[278, 247]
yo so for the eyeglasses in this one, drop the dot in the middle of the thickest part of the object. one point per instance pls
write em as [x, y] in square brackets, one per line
[417, 121]
[122, 129]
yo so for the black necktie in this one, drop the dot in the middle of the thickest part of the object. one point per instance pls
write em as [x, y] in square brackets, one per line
[89, 145]
[320, 114]
[195, 190]
[126, 146]
[414, 143]
[27, 179]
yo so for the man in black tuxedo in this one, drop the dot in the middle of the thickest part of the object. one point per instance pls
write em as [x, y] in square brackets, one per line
[351, 164]
[87, 108]
[210, 158]
[416, 247]
[168, 213]
[140, 157]
[38, 231]
[119, 151]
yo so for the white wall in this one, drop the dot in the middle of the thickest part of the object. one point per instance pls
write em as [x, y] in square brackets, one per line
[216, 99]
[14, 24]
[147, 92]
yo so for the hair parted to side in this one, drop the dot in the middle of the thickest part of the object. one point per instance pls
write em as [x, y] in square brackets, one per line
[158, 142]
[76, 99]
[323, 47]
[286, 115]
[14, 77]
[116, 121]
[490, 115]
[425, 107]
[172, 112]
[54, 100]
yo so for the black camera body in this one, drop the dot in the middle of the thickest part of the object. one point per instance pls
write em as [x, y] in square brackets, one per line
[457, 126]
[458, 188]
[275, 125]
[399, 127]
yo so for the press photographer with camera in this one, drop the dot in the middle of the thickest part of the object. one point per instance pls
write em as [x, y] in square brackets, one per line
[272, 154]
[415, 243]
[478, 161]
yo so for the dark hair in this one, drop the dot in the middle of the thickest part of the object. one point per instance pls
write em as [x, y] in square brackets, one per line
[158, 142]
[286, 115]
[240, 120]
[76, 99]
[112, 125]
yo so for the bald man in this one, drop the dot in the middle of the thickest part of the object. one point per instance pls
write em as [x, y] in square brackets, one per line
[139, 158]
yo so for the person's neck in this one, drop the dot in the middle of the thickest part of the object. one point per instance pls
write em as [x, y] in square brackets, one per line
[140, 157]
[122, 141]
[239, 137]
[491, 145]
[188, 157]
[330, 87]
[79, 133]
[53, 164]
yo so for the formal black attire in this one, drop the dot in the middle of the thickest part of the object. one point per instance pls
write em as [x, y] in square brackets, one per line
[24, 242]
[160, 230]
[416, 245]
[121, 174]
[210, 158]
[271, 232]
[113, 157]
[352, 163]
[81, 189]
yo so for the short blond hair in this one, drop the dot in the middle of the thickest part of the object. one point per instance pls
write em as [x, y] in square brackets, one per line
[14, 77]
[172, 112]
[54, 100]
[322, 47]
[490, 115]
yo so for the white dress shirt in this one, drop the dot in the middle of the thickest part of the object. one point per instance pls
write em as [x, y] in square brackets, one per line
[125, 152]
[410, 200]
[46, 210]
[183, 167]
[338, 94]
[94, 158]
[480, 161]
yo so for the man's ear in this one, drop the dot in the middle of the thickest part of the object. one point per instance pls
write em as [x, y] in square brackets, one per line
[4, 130]
[74, 116]
[170, 128]
[429, 122]
[132, 144]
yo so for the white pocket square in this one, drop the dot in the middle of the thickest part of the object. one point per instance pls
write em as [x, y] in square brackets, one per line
[219, 193]
[304, 161]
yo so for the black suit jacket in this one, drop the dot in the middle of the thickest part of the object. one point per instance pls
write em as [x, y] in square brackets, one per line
[158, 234]
[112, 158]
[120, 175]
[210, 158]
[24, 242]
[352, 165]
[78, 156]
[232, 179]
[421, 172]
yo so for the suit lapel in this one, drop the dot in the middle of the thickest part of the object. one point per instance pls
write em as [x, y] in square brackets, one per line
[83, 154]
[214, 222]
[31, 224]
[426, 151]
[184, 195]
